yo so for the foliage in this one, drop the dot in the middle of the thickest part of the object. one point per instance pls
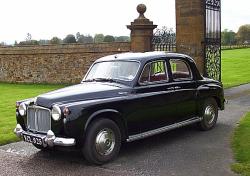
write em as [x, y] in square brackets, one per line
[228, 37]
[70, 38]
[109, 38]
[98, 38]
[243, 33]
[84, 39]
[235, 67]
[241, 147]
[2, 44]
[9, 94]
[122, 39]
[29, 42]
[43, 42]
[29, 37]
[55, 40]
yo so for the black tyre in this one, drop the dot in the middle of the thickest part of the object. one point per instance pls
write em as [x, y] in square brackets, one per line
[102, 141]
[209, 114]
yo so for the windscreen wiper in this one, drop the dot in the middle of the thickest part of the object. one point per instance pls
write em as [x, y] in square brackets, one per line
[100, 80]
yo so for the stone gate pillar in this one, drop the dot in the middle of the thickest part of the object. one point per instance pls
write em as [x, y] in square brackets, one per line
[141, 32]
[190, 30]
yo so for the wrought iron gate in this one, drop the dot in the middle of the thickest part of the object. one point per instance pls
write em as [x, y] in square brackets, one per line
[164, 40]
[213, 39]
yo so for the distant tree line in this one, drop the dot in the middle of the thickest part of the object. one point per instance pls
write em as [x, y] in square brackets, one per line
[229, 37]
[70, 39]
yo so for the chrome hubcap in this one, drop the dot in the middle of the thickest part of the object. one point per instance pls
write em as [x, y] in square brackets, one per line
[209, 114]
[105, 141]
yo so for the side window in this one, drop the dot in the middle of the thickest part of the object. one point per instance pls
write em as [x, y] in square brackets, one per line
[154, 72]
[180, 70]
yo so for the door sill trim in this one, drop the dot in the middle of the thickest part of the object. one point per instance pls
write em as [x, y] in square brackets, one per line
[163, 129]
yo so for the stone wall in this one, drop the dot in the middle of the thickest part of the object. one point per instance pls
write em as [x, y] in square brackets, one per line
[53, 63]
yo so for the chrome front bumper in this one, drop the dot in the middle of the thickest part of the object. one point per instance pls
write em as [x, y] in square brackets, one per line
[48, 140]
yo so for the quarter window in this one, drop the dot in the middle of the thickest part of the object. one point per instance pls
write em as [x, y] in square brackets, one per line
[180, 70]
[154, 72]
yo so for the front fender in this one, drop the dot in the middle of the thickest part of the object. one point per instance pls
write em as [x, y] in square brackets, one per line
[101, 112]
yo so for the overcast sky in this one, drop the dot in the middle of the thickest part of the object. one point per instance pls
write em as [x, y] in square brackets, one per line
[44, 19]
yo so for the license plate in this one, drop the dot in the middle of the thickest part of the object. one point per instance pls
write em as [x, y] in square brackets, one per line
[32, 139]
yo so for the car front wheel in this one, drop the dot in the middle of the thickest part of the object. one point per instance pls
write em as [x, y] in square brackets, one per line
[209, 114]
[102, 141]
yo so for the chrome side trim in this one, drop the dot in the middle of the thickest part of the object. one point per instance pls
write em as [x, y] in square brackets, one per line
[163, 129]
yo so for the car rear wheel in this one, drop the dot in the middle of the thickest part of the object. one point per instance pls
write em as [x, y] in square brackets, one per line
[102, 141]
[209, 114]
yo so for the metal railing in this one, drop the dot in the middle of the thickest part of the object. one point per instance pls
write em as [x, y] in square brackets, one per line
[164, 39]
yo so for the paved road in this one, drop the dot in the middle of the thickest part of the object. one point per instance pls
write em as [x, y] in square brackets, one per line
[185, 151]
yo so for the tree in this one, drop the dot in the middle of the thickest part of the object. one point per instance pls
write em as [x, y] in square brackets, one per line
[70, 38]
[243, 33]
[228, 37]
[98, 38]
[84, 39]
[122, 39]
[30, 42]
[2, 43]
[109, 38]
[55, 40]
[28, 37]
[78, 35]
[88, 39]
[43, 42]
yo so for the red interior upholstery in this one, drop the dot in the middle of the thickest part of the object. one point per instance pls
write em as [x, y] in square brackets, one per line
[158, 77]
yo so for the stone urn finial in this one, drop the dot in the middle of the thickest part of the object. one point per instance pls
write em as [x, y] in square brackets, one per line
[141, 9]
[141, 31]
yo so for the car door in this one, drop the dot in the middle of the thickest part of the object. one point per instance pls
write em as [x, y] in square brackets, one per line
[185, 88]
[155, 102]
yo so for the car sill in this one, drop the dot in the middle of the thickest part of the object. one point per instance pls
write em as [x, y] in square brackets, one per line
[163, 129]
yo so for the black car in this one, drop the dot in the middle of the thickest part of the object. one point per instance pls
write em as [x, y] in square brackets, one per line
[122, 98]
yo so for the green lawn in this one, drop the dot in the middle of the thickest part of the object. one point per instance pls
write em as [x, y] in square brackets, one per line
[9, 94]
[235, 67]
[241, 147]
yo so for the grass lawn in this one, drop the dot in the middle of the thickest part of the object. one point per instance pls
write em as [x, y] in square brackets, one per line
[9, 94]
[235, 67]
[241, 147]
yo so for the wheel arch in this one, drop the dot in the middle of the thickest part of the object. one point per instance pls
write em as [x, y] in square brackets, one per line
[113, 115]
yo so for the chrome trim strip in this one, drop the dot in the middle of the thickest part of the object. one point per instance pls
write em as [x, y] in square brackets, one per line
[163, 129]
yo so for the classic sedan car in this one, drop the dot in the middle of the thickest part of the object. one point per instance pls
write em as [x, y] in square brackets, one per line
[122, 98]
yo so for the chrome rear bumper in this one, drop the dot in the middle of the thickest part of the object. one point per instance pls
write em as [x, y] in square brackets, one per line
[48, 140]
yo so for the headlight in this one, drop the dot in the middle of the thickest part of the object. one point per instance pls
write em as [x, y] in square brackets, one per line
[56, 113]
[22, 109]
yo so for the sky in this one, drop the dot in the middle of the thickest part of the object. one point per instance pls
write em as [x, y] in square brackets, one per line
[44, 19]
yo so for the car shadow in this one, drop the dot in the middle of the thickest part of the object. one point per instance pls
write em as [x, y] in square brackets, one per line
[128, 150]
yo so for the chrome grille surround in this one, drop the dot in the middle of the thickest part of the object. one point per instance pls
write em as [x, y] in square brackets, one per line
[38, 119]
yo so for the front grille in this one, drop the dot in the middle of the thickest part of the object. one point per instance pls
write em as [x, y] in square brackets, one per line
[38, 119]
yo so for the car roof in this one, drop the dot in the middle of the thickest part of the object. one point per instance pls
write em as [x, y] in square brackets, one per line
[142, 57]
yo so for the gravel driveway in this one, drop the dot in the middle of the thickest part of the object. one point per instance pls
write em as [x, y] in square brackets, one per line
[185, 151]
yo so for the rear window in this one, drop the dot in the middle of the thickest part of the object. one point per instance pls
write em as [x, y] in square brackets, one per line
[180, 70]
